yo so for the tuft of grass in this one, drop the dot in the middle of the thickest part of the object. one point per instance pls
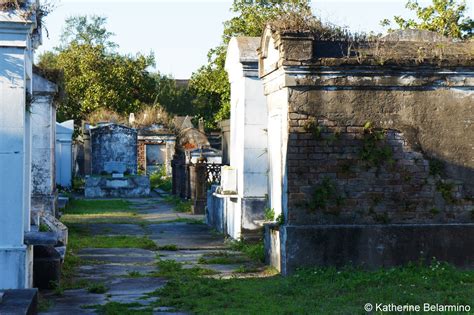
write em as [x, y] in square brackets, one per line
[97, 288]
[87, 206]
[174, 269]
[179, 205]
[118, 241]
[159, 179]
[44, 304]
[134, 274]
[221, 259]
[254, 251]
[170, 247]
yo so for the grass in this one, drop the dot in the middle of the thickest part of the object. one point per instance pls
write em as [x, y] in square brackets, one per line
[254, 251]
[97, 288]
[319, 291]
[160, 180]
[222, 258]
[117, 241]
[82, 206]
[179, 205]
[170, 247]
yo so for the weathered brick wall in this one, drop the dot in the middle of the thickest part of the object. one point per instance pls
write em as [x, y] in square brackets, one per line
[141, 155]
[339, 173]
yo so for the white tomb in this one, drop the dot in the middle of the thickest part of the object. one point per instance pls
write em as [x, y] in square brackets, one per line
[43, 127]
[19, 36]
[63, 150]
[244, 212]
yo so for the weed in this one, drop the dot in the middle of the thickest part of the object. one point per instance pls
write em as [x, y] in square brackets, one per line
[324, 195]
[170, 247]
[269, 214]
[436, 167]
[374, 150]
[280, 219]
[435, 211]
[446, 190]
[254, 251]
[44, 304]
[315, 129]
[97, 288]
[134, 274]
[221, 259]
[179, 205]
[159, 179]
[44, 228]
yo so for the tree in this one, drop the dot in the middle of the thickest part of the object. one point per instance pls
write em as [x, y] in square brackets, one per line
[210, 82]
[174, 99]
[95, 77]
[87, 30]
[443, 16]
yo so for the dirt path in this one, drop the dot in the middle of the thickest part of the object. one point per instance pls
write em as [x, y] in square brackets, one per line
[129, 275]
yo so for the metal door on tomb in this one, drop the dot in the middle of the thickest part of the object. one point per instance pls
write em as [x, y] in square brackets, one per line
[155, 157]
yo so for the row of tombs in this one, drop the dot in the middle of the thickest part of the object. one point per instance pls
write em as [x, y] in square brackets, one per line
[343, 155]
[35, 159]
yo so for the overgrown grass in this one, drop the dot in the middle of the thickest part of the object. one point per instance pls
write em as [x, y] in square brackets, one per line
[320, 291]
[97, 288]
[117, 241]
[254, 251]
[159, 179]
[222, 258]
[179, 204]
[87, 206]
[169, 247]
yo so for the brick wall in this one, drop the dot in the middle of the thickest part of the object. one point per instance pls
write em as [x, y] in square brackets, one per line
[362, 174]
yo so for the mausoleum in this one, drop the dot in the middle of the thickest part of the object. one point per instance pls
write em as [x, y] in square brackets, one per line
[370, 148]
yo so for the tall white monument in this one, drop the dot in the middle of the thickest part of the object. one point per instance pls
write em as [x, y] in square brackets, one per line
[248, 140]
[19, 36]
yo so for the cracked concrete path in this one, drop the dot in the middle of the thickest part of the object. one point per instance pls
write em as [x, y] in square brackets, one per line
[127, 273]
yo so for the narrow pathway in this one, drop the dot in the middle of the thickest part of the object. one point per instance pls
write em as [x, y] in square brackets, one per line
[125, 275]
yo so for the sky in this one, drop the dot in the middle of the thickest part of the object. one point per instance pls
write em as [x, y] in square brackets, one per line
[181, 32]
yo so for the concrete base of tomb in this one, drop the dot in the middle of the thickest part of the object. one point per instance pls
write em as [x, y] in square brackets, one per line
[235, 216]
[126, 187]
[290, 247]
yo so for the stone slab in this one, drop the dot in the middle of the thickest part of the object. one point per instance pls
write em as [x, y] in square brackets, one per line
[135, 286]
[17, 302]
[41, 238]
[116, 229]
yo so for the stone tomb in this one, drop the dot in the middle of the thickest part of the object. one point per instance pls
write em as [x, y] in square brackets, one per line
[243, 209]
[370, 153]
[114, 163]
[43, 124]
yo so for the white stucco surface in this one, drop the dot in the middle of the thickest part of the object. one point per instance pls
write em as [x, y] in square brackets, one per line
[15, 151]
[248, 134]
[63, 150]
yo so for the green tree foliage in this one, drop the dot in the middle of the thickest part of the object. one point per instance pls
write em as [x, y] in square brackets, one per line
[210, 83]
[87, 30]
[174, 99]
[446, 17]
[93, 75]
